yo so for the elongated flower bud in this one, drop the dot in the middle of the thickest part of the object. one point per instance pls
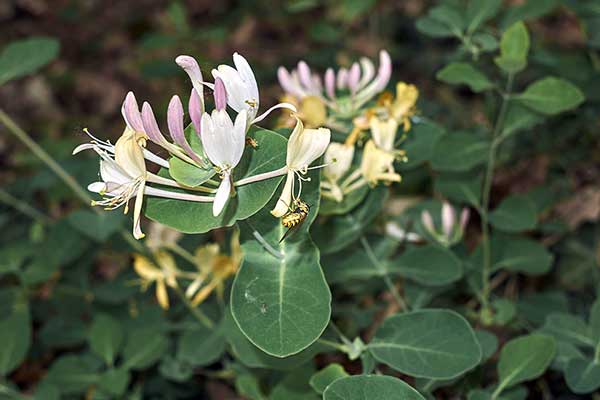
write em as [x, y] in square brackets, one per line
[220, 94]
[448, 219]
[131, 113]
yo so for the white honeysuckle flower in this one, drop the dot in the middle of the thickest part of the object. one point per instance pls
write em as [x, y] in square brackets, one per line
[378, 165]
[303, 148]
[346, 91]
[452, 230]
[224, 143]
[338, 160]
[242, 89]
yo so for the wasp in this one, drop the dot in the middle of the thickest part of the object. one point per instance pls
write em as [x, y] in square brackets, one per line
[251, 142]
[294, 217]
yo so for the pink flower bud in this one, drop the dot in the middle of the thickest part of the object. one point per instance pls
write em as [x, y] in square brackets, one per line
[305, 76]
[385, 69]
[427, 221]
[342, 78]
[195, 110]
[448, 219]
[150, 125]
[220, 94]
[464, 218]
[330, 83]
[354, 77]
[175, 124]
[131, 113]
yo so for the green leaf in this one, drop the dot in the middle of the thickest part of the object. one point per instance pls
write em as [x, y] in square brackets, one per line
[528, 10]
[437, 344]
[457, 73]
[195, 217]
[565, 352]
[15, 336]
[515, 213]
[175, 369]
[188, 174]
[459, 151]
[96, 226]
[248, 386]
[514, 47]
[595, 320]
[201, 346]
[519, 254]
[420, 142]
[460, 187]
[429, 265]
[106, 337]
[294, 385]
[348, 203]
[450, 16]
[72, 374]
[569, 328]
[488, 342]
[279, 298]
[551, 95]
[479, 11]
[583, 376]
[432, 27]
[114, 381]
[519, 118]
[327, 376]
[251, 356]
[525, 358]
[534, 307]
[143, 348]
[346, 229]
[370, 387]
[23, 57]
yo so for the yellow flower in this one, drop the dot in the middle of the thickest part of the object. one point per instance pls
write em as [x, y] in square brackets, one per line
[378, 165]
[311, 110]
[403, 106]
[214, 268]
[165, 274]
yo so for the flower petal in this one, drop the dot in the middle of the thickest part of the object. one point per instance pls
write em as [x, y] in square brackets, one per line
[284, 201]
[191, 67]
[222, 195]
[131, 113]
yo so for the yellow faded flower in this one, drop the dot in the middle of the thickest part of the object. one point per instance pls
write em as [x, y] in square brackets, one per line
[165, 274]
[338, 160]
[403, 106]
[214, 269]
[383, 132]
[378, 165]
[311, 110]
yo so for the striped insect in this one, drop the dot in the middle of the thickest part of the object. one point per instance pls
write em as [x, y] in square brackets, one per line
[294, 218]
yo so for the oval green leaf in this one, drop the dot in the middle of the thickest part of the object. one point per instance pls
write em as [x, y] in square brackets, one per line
[370, 387]
[459, 151]
[551, 95]
[437, 344]
[429, 265]
[524, 358]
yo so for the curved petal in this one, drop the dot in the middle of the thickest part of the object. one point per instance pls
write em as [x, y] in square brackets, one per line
[209, 140]
[246, 74]
[191, 67]
[264, 115]
[239, 138]
[131, 113]
[222, 195]
[284, 201]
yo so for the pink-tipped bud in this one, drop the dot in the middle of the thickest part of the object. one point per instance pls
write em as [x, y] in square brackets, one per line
[354, 77]
[385, 69]
[427, 221]
[195, 110]
[150, 125]
[175, 124]
[304, 75]
[191, 67]
[464, 218]
[342, 78]
[285, 80]
[220, 95]
[131, 113]
[330, 83]
[448, 219]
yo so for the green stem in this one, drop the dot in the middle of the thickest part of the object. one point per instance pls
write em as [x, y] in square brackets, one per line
[183, 253]
[23, 207]
[485, 197]
[597, 354]
[196, 312]
[45, 157]
[335, 345]
[383, 272]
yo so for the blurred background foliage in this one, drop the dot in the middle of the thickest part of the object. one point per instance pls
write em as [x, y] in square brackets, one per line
[70, 272]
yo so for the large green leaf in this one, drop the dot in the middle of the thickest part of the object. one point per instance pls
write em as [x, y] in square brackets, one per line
[320, 380]
[15, 336]
[96, 226]
[569, 328]
[514, 47]
[72, 374]
[514, 214]
[23, 57]
[251, 356]
[195, 217]
[460, 187]
[524, 358]
[459, 151]
[437, 344]
[551, 95]
[457, 73]
[370, 387]
[279, 298]
[528, 10]
[429, 265]
[420, 142]
[188, 174]
[106, 337]
[582, 375]
[520, 254]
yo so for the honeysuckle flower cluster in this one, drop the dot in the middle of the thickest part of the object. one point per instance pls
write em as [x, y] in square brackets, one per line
[452, 228]
[383, 120]
[342, 93]
[222, 133]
